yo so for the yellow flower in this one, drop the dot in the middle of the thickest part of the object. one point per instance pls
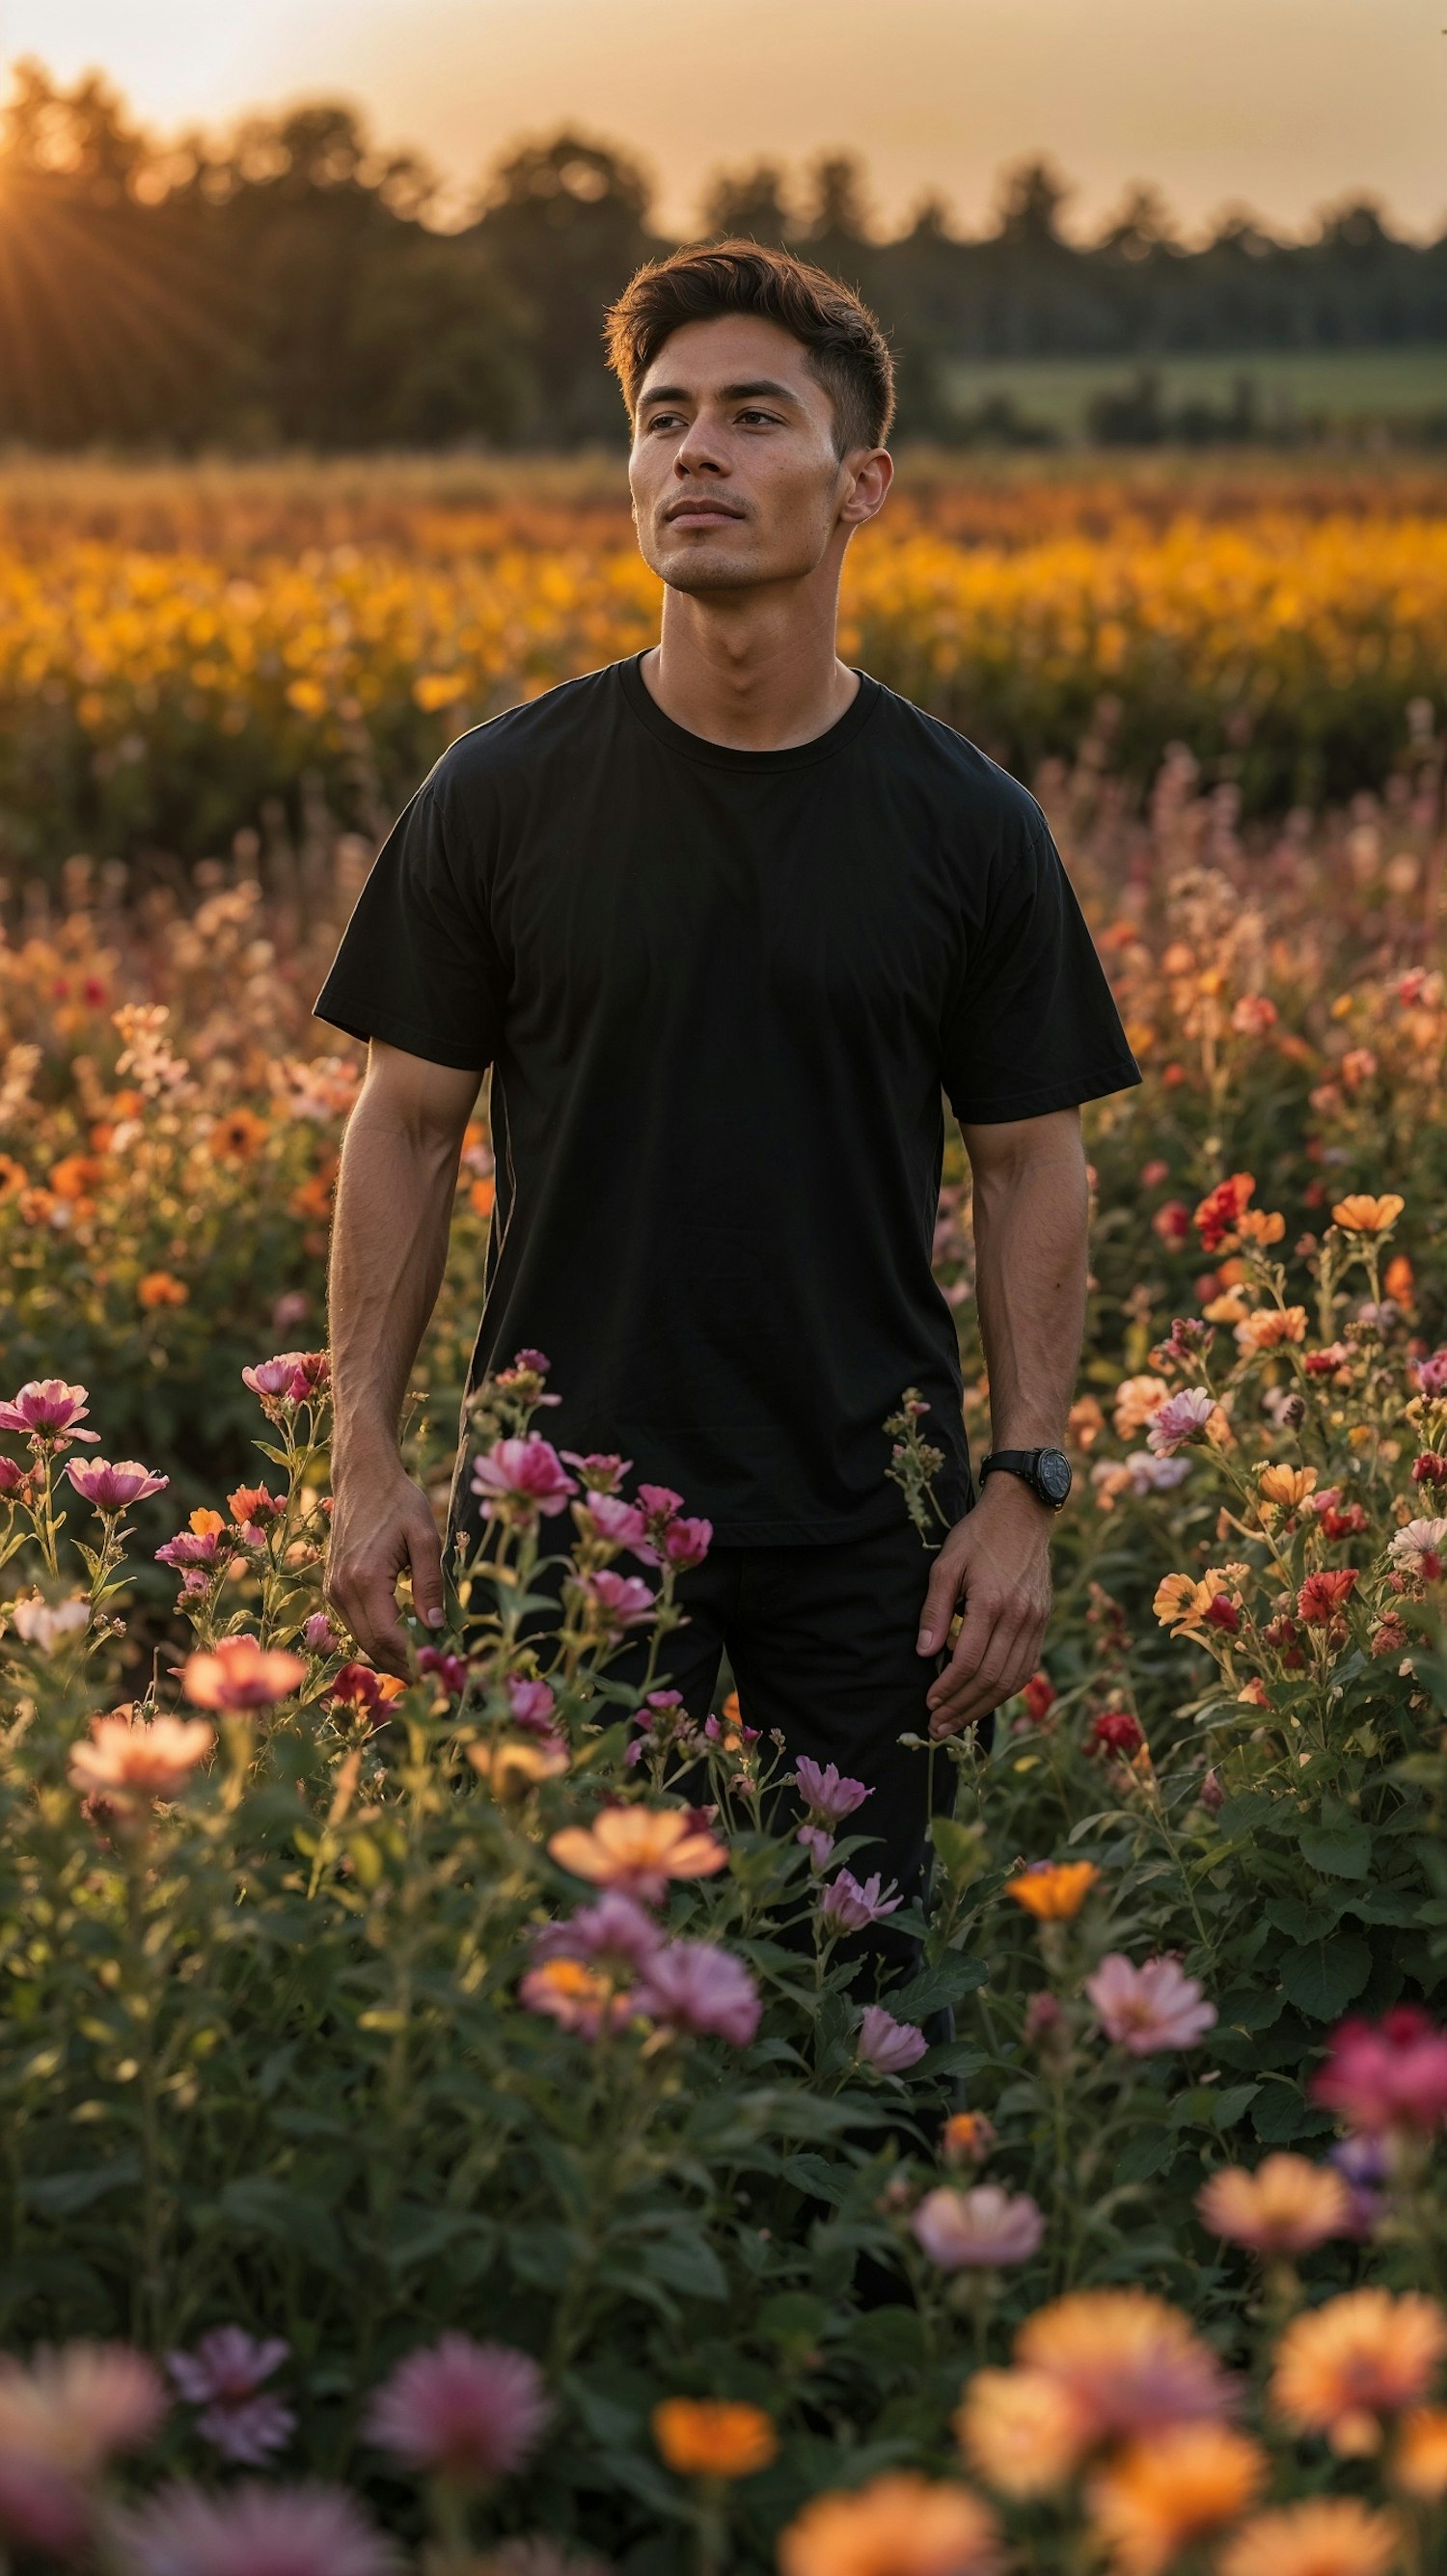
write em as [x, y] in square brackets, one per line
[1361, 1214]
[514, 1767]
[1181, 1602]
[1419, 2463]
[1286, 2206]
[1286, 1485]
[1340, 2368]
[714, 2437]
[898, 2525]
[1163, 2494]
[1327, 2536]
[1021, 2431]
[1053, 1891]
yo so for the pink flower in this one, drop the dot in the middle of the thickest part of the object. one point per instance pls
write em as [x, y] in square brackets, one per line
[1149, 2008]
[694, 1986]
[254, 2530]
[451, 1670]
[1387, 2075]
[113, 1488]
[825, 1793]
[224, 2375]
[685, 1543]
[659, 1502]
[817, 1844]
[847, 1906]
[12, 1476]
[1430, 1374]
[193, 1547]
[1418, 1548]
[239, 1672]
[979, 2229]
[889, 2046]
[277, 1381]
[466, 2411]
[601, 1472]
[1183, 1417]
[47, 1411]
[76, 2409]
[621, 1523]
[532, 1703]
[615, 1931]
[617, 1601]
[522, 1478]
[318, 1635]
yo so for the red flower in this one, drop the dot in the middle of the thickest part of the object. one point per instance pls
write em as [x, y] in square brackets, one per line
[1221, 1612]
[1348, 1521]
[1039, 1696]
[1322, 1595]
[1115, 1731]
[1218, 1212]
[1391, 2075]
[1429, 1469]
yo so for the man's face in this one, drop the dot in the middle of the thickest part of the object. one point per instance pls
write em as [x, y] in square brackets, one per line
[735, 477]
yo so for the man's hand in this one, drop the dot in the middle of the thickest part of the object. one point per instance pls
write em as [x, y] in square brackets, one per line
[382, 1526]
[997, 1560]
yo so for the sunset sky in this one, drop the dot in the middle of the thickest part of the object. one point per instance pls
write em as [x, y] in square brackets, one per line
[1282, 104]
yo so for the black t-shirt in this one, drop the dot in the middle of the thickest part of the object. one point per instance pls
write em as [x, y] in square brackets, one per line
[720, 992]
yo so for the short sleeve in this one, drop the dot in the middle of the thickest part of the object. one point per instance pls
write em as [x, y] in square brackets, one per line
[1031, 1023]
[418, 966]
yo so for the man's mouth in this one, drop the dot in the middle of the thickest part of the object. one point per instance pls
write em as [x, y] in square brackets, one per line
[701, 510]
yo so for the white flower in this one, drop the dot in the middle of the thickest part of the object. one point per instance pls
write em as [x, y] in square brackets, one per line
[44, 1623]
[1411, 1546]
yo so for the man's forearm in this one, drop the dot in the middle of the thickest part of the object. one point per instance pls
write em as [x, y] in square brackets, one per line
[389, 1250]
[1030, 1222]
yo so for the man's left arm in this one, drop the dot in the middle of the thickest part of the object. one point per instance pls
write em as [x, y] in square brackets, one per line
[1031, 1201]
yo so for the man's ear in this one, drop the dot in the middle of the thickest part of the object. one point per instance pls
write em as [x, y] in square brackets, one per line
[870, 480]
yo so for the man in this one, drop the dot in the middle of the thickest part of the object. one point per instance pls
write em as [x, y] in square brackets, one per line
[723, 920]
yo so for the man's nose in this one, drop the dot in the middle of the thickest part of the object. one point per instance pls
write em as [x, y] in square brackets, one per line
[698, 452]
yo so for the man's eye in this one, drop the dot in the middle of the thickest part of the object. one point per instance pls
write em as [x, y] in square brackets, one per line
[768, 418]
[665, 420]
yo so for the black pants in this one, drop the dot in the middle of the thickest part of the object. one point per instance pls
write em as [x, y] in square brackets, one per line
[821, 1641]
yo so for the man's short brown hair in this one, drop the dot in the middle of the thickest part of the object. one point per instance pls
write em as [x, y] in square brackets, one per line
[847, 350]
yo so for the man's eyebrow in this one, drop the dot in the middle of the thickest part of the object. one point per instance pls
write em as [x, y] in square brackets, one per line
[764, 385]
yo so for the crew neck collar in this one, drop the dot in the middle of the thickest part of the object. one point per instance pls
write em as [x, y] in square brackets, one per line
[722, 755]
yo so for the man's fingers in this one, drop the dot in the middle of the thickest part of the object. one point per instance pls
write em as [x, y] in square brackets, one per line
[424, 1550]
[1004, 1669]
[941, 1594]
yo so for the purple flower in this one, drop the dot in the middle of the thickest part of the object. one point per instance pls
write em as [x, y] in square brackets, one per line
[451, 1670]
[616, 1930]
[523, 1477]
[847, 1906]
[889, 2046]
[1181, 1418]
[224, 2375]
[466, 2411]
[114, 1487]
[1431, 1374]
[531, 1703]
[693, 1986]
[825, 1793]
[254, 2530]
[318, 1635]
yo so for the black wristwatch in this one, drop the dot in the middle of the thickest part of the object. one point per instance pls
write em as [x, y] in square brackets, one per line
[1047, 1472]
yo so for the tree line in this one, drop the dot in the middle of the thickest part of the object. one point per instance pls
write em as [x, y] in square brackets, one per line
[290, 282]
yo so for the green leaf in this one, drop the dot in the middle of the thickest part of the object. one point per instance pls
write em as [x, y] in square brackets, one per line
[1279, 2116]
[1146, 2154]
[793, 2316]
[1340, 1851]
[1322, 1977]
[815, 2175]
[934, 1988]
[61, 2195]
[962, 1849]
[686, 2262]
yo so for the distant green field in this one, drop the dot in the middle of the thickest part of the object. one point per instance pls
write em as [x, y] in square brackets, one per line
[1336, 387]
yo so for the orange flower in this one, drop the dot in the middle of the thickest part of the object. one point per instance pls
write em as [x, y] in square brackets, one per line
[1399, 1279]
[13, 1176]
[160, 1288]
[1130, 2362]
[1327, 2536]
[75, 1176]
[511, 1769]
[481, 1196]
[1181, 1602]
[206, 1524]
[239, 1672]
[1286, 1485]
[1261, 1225]
[314, 1197]
[898, 2525]
[966, 2138]
[239, 1135]
[1053, 1891]
[1136, 1399]
[1361, 1214]
[1267, 1327]
[129, 1761]
[714, 2437]
[1286, 2206]
[1022, 2431]
[1419, 2464]
[640, 1849]
[1340, 2368]
[1160, 2496]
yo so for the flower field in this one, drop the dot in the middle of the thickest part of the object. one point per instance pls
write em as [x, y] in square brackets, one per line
[168, 664]
[453, 2126]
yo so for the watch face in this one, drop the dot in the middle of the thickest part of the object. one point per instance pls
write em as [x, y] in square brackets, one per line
[1053, 1471]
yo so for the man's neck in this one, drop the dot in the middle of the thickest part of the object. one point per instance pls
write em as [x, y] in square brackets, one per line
[747, 672]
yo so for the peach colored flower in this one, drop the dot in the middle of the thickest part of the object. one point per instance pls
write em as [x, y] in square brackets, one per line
[900, 2524]
[640, 1849]
[1136, 1399]
[1261, 1225]
[1181, 1603]
[1023, 2431]
[978, 2230]
[1129, 2361]
[1162, 2496]
[714, 2437]
[1287, 2206]
[129, 1762]
[1419, 2462]
[79, 2407]
[1359, 1213]
[1053, 1891]
[1325, 2536]
[1286, 1485]
[1340, 2368]
[1267, 1327]
[239, 1672]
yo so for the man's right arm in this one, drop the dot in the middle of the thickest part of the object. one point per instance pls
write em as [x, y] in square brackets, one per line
[395, 1192]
